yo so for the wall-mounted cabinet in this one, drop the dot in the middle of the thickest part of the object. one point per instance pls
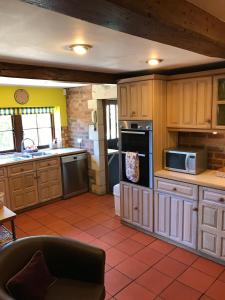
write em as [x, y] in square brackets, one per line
[219, 102]
[135, 100]
[189, 103]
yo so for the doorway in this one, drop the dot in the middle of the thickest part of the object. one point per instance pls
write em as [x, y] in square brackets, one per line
[111, 143]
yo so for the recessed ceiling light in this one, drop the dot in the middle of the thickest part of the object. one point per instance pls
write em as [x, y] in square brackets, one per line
[80, 49]
[154, 61]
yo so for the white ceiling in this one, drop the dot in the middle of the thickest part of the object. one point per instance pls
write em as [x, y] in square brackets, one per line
[32, 35]
[214, 7]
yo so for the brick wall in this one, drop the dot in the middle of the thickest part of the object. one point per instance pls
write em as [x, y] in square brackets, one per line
[79, 116]
[215, 145]
[65, 136]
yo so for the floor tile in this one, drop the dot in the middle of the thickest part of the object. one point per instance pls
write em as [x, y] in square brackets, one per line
[134, 292]
[222, 276]
[85, 224]
[115, 281]
[113, 238]
[84, 237]
[132, 268]
[98, 231]
[209, 267]
[170, 267]
[143, 238]
[129, 246]
[217, 290]
[126, 231]
[154, 281]
[114, 257]
[178, 291]
[183, 256]
[112, 223]
[162, 246]
[196, 279]
[148, 256]
[100, 244]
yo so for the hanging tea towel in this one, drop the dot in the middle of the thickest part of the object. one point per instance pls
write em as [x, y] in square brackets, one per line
[132, 166]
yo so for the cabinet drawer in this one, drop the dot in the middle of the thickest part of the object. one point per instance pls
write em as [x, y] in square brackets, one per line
[20, 168]
[212, 195]
[47, 163]
[177, 188]
[3, 172]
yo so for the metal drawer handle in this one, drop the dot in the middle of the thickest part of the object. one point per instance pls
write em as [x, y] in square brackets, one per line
[221, 199]
[174, 189]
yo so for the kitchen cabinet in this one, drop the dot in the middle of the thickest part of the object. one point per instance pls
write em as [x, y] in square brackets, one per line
[219, 102]
[189, 103]
[137, 205]
[175, 216]
[23, 186]
[49, 179]
[212, 222]
[135, 100]
[4, 186]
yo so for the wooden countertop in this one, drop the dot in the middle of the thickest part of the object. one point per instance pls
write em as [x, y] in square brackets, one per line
[207, 178]
[6, 161]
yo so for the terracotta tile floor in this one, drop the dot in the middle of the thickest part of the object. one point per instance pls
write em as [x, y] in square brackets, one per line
[138, 266]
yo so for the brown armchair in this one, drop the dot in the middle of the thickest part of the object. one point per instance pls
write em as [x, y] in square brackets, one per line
[79, 268]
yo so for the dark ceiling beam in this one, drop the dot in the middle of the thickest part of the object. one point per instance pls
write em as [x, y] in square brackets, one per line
[49, 73]
[174, 22]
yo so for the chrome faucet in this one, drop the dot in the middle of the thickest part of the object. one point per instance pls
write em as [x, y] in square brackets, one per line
[22, 143]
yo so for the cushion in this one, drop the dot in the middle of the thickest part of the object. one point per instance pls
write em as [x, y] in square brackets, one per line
[64, 288]
[32, 281]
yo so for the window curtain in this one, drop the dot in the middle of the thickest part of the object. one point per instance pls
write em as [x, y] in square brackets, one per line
[25, 110]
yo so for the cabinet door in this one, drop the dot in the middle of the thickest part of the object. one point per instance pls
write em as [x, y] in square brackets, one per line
[123, 101]
[133, 101]
[146, 209]
[174, 103]
[204, 102]
[188, 107]
[125, 203]
[4, 189]
[208, 240]
[135, 205]
[146, 100]
[162, 214]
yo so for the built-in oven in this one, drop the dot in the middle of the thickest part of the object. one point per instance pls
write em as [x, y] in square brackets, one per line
[136, 136]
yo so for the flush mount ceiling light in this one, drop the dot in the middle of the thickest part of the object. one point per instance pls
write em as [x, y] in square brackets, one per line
[80, 49]
[154, 61]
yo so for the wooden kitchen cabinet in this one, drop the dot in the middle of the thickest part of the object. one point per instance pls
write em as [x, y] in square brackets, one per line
[219, 102]
[175, 216]
[189, 103]
[49, 179]
[137, 205]
[135, 100]
[23, 190]
[4, 186]
[212, 222]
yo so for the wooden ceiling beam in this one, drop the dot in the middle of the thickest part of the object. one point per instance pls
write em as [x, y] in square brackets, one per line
[49, 73]
[174, 22]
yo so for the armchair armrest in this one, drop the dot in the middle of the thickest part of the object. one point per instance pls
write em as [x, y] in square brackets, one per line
[72, 259]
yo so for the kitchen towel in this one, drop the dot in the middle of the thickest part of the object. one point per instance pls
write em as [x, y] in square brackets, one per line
[132, 166]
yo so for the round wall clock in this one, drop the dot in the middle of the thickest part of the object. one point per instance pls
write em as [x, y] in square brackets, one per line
[21, 96]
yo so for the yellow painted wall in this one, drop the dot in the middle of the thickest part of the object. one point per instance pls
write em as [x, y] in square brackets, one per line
[38, 97]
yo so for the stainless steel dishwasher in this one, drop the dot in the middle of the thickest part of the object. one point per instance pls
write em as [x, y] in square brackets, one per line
[74, 174]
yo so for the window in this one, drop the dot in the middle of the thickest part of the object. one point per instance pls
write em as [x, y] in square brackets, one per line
[112, 120]
[38, 128]
[13, 128]
[6, 134]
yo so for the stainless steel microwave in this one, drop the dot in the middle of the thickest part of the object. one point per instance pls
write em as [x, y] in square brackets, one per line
[185, 160]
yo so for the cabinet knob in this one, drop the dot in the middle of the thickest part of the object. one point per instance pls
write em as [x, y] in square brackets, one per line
[133, 112]
[136, 208]
[174, 189]
[195, 209]
[221, 199]
[208, 121]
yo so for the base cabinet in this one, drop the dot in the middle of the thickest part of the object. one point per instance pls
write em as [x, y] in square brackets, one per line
[137, 205]
[176, 218]
[212, 222]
